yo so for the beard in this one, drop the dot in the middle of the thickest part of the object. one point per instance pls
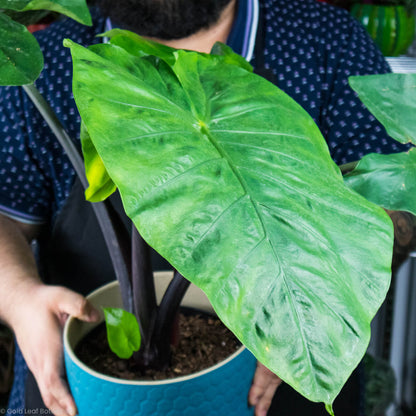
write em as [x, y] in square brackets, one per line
[163, 19]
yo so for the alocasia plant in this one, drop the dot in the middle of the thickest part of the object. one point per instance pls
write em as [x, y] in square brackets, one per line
[237, 190]
[231, 181]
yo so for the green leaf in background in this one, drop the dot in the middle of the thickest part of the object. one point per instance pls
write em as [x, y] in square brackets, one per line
[123, 332]
[29, 17]
[21, 59]
[392, 100]
[239, 193]
[76, 9]
[387, 180]
[101, 186]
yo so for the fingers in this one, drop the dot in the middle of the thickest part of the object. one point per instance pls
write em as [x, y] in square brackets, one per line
[55, 394]
[41, 344]
[265, 400]
[263, 389]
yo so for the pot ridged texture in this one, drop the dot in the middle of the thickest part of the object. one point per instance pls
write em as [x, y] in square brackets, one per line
[391, 27]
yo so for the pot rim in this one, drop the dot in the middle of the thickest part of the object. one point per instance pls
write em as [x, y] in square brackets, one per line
[71, 354]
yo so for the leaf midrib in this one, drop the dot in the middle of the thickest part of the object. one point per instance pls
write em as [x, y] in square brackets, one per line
[206, 131]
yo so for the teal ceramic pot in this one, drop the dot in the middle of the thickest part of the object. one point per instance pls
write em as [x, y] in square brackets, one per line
[218, 390]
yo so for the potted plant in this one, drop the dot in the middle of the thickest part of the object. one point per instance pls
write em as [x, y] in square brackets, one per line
[215, 389]
[264, 223]
[390, 23]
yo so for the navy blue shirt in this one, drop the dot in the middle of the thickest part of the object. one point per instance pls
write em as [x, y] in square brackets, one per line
[311, 47]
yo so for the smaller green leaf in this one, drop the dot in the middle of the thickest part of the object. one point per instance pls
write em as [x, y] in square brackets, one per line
[75, 9]
[21, 59]
[392, 100]
[138, 46]
[123, 332]
[100, 184]
[387, 180]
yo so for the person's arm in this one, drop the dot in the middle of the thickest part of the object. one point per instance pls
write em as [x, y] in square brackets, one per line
[36, 313]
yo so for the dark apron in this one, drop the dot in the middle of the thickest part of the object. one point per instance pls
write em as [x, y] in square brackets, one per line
[77, 256]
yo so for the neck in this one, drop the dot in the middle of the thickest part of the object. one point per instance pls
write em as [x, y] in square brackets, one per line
[204, 40]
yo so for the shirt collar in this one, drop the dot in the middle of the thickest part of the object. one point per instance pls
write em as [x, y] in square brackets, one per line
[243, 32]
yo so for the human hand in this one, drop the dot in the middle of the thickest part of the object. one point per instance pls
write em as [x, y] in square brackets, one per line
[265, 384]
[38, 323]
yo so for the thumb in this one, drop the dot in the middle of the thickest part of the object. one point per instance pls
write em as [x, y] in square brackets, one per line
[71, 303]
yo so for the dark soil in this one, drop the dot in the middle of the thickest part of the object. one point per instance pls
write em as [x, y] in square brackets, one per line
[203, 342]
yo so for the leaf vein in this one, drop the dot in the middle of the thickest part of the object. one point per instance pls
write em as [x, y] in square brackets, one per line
[155, 134]
[257, 133]
[251, 146]
[185, 172]
[245, 111]
[218, 218]
[294, 311]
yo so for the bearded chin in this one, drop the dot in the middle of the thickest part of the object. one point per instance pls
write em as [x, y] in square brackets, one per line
[163, 19]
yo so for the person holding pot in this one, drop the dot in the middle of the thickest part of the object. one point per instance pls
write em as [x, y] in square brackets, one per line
[307, 48]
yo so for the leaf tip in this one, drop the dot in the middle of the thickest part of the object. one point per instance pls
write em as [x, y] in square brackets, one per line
[68, 43]
[329, 409]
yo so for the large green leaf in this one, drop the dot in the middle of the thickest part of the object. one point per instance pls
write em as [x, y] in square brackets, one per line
[392, 99]
[387, 180]
[21, 59]
[76, 9]
[231, 181]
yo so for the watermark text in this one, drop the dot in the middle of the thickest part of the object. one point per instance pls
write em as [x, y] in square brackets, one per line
[24, 411]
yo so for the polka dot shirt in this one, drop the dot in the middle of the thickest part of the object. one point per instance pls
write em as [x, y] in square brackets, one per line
[310, 46]
[313, 48]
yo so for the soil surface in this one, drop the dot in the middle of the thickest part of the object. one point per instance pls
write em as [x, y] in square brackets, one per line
[203, 342]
